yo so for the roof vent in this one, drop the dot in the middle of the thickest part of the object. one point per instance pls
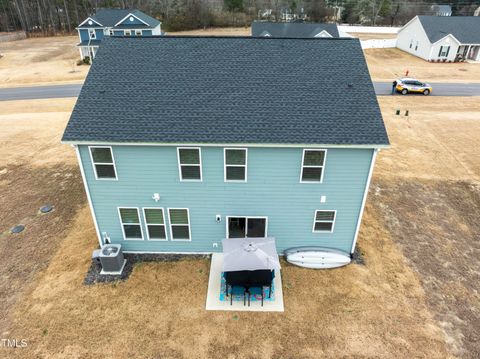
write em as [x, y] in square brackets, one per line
[350, 85]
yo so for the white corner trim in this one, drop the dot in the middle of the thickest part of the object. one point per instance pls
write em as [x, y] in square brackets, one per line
[364, 200]
[126, 17]
[322, 33]
[89, 198]
[89, 18]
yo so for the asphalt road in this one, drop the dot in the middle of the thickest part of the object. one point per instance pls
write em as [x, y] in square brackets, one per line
[72, 90]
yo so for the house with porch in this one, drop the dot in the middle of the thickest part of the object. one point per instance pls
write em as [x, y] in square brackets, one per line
[246, 139]
[294, 29]
[441, 38]
[113, 22]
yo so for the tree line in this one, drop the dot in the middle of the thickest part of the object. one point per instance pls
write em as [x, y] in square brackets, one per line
[49, 17]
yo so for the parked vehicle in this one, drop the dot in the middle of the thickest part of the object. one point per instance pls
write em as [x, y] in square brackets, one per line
[408, 85]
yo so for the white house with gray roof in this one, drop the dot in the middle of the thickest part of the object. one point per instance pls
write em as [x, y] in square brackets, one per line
[441, 38]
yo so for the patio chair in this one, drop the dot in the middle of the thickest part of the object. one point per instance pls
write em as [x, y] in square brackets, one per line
[237, 289]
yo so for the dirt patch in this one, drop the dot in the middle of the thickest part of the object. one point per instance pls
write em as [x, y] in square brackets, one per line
[23, 190]
[436, 225]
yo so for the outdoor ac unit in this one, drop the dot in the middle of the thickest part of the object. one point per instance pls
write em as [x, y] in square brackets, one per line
[111, 258]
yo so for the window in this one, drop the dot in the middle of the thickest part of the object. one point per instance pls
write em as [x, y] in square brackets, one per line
[130, 220]
[127, 32]
[235, 164]
[155, 224]
[189, 163]
[324, 221]
[312, 166]
[246, 227]
[92, 34]
[411, 43]
[138, 32]
[416, 46]
[179, 224]
[103, 163]
[444, 50]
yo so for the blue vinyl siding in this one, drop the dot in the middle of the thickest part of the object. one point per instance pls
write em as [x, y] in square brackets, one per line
[99, 33]
[83, 34]
[273, 190]
[147, 32]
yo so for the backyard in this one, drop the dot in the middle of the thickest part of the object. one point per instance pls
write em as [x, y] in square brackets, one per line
[417, 295]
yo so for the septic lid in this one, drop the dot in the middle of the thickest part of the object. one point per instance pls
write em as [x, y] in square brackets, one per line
[18, 229]
[46, 208]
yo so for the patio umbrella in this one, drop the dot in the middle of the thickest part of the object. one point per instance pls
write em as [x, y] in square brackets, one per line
[249, 254]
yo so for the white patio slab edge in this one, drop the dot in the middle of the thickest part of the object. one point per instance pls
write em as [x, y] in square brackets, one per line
[213, 294]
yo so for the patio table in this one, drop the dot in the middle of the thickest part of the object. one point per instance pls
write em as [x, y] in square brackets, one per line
[249, 279]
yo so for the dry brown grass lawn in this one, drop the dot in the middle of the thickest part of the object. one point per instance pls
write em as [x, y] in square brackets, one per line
[390, 64]
[43, 61]
[368, 36]
[405, 302]
[40, 61]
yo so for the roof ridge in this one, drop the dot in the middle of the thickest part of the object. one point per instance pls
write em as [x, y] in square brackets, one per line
[237, 37]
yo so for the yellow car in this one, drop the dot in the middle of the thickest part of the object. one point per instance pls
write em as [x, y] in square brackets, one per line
[406, 86]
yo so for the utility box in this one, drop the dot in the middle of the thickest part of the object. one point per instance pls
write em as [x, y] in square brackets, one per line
[112, 260]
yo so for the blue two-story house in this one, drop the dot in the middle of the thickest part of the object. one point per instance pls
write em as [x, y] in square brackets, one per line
[207, 138]
[113, 22]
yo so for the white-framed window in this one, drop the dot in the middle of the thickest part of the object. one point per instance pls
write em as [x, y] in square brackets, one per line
[235, 164]
[313, 165]
[138, 32]
[324, 221]
[411, 43]
[130, 222]
[155, 223]
[92, 34]
[103, 162]
[189, 163]
[444, 50]
[246, 226]
[127, 32]
[179, 224]
[416, 46]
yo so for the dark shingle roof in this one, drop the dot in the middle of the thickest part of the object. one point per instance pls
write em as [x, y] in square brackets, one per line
[228, 90]
[109, 17]
[292, 29]
[466, 29]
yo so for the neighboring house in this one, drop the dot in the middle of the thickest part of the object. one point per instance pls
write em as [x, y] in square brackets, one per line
[477, 12]
[293, 29]
[441, 10]
[441, 38]
[185, 141]
[113, 22]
